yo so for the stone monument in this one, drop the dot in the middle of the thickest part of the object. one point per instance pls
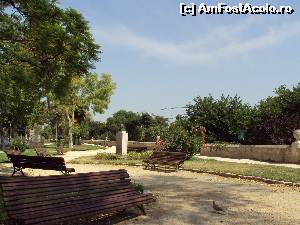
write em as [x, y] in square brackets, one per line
[121, 142]
[296, 144]
[36, 140]
[295, 147]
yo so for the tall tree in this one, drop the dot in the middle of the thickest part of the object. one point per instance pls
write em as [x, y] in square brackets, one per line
[42, 48]
[276, 117]
[86, 93]
[55, 44]
[223, 118]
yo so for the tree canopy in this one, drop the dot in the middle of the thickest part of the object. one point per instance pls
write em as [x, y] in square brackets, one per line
[86, 94]
[223, 118]
[43, 48]
[44, 44]
[276, 117]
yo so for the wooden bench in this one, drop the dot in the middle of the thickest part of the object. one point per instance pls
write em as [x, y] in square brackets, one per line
[12, 152]
[56, 199]
[42, 152]
[165, 158]
[21, 162]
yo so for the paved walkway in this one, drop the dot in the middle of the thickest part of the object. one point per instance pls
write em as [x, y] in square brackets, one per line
[68, 156]
[250, 161]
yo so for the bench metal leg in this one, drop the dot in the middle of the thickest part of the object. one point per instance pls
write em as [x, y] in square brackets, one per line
[65, 172]
[141, 207]
[17, 169]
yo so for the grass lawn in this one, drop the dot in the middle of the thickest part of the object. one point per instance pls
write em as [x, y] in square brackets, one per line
[87, 147]
[264, 171]
[30, 152]
[52, 150]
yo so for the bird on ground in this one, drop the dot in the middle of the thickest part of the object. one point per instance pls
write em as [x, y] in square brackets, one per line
[217, 207]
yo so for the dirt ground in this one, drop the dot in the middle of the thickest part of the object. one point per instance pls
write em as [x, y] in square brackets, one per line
[186, 198]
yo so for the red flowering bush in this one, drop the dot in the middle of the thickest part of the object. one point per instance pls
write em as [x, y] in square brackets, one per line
[180, 136]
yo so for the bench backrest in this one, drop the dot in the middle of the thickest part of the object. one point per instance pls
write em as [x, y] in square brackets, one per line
[164, 156]
[34, 194]
[38, 162]
[41, 152]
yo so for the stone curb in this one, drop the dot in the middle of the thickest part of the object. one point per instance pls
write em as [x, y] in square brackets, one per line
[232, 175]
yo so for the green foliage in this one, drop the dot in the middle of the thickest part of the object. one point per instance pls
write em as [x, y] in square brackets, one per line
[140, 127]
[47, 132]
[139, 155]
[276, 117]
[97, 130]
[107, 156]
[181, 136]
[222, 118]
[19, 143]
[88, 93]
[130, 156]
[51, 43]
[42, 49]
[138, 187]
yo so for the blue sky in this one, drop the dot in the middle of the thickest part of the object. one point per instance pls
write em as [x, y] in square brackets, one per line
[160, 59]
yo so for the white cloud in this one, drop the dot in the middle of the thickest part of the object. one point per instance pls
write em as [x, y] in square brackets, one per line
[222, 41]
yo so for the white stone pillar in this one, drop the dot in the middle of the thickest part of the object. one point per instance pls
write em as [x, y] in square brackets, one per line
[296, 146]
[121, 142]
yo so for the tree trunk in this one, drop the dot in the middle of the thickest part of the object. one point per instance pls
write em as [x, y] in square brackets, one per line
[70, 135]
[2, 138]
[70, 119]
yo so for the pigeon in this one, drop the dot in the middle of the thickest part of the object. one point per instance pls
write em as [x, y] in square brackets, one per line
[217, 207]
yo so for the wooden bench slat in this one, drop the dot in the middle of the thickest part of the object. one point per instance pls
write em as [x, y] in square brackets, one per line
[20, 203]
[68, 203]
[174, 159]
[49, 184]
[61, 190]
[103, 211]
[53, 178]
[50, 215]
[57, 199]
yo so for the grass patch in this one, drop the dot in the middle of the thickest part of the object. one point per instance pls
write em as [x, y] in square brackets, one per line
[93, 160]
[263, 171]
[31, 152]
[3, 157]
[87, 147]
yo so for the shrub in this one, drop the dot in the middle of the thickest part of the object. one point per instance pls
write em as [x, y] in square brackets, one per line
[107, 156]
[138, 187]
[180, 136]
[224, 118]
[139, 155]
[130, 156]
[19, 143]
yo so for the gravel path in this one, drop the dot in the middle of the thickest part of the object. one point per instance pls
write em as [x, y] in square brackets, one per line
[68, 156]
[186, 198]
